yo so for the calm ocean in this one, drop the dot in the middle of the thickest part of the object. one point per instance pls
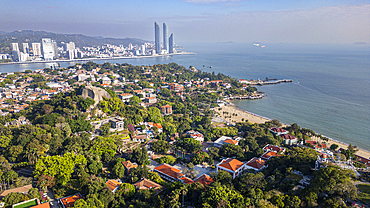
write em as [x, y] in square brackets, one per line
[330, 93]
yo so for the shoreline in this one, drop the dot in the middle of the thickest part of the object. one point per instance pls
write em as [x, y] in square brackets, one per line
[255, 118]
[104, 58]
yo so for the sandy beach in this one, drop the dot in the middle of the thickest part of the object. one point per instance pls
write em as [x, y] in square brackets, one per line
[232, 114]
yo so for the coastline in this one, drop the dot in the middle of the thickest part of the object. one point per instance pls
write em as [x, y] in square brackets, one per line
[242, 116]
[96, 58]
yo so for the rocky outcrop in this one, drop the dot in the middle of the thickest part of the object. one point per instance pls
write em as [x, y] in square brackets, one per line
[94, 93]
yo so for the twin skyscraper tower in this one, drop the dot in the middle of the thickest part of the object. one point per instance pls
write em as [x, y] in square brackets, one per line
[167, 42]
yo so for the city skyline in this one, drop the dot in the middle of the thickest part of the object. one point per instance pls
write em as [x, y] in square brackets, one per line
[289, 21]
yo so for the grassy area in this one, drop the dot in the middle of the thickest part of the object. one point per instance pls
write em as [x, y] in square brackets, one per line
[364, 196]
[26, 205]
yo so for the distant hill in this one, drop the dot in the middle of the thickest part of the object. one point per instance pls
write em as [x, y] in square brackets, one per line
[31, 36]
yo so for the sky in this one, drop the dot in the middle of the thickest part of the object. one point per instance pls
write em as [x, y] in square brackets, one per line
[268, 21]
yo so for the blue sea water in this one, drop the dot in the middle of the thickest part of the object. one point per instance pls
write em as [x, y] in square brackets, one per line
[330, 93]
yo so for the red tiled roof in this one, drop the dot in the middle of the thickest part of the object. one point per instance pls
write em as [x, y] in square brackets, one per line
[128, 164]
[70, 201]
[269, 154]
[187, 180]
[257, 163]
[147, 184]
[275, 129]
[273, 148]
[231, 164]
[231, 141]
[112, 184]
[204, 179]
[169, 170]
[288, 137]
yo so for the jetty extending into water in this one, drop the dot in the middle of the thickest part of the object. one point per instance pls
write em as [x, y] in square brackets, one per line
[252, 97]
[268, 82]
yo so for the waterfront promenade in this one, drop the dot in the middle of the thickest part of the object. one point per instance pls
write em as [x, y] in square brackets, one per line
[102, 58]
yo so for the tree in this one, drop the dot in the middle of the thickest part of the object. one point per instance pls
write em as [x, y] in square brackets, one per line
[105, 129]
[45, 181]
[222, 177]
[160, 146]
[60, 167]
[200, 157]
[334, 147]
[213, 152]
[334, 181]
[222, 196]
[190, 145]
[13, 198]
[231, 150]
[95, 167]
[134, 100]
[119, 170]
[168, 159]
[140, 156]
[33, 193]
[127, 190]
[155, 115]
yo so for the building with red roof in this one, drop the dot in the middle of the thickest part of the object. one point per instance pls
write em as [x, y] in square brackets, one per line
[146, 184]
[289, 139]
[69, 201]
[113, 185]
[256, 164]
[231, 165]
[166, 109]
[363, 160]
[274, 148]
[128, 165]
[269, 154]
[172, 174]
[204, 179]
[278, 131]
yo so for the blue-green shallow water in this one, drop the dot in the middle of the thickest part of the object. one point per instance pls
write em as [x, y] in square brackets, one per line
[330, 93]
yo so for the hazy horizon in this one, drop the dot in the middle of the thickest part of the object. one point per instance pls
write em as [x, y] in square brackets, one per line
[313, 22]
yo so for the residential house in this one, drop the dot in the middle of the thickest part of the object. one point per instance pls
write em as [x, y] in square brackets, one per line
[232, 166]
[151, 100]
[274, 148]
[204, 179]
[146, 184]
[226, 140]
[117, 123]
[278, 131]
[69, 201]
[113, 185]
[125, 97]
[172, 174]
[289, 139]
[256, 164]
[166, 109]
[128, 165]
[195, 135]
[269, 154]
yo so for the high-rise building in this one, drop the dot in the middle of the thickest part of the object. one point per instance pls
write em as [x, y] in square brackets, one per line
[165, 37]
[15, 47]
[26, 48]
[171, 43]
[15, 52]
[69, 46]
[55, 48]
[36, 48]
[47, 48]
[157, 43]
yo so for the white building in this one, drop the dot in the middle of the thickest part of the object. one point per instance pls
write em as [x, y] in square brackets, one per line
[47, 49]
[36, 48]
[231, 165]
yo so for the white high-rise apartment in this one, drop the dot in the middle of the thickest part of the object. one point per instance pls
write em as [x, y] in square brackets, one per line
[47, 48]
[26, 48]
[36, 48]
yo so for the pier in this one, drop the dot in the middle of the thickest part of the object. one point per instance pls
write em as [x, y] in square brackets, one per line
[268, 82]
[246, 97]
